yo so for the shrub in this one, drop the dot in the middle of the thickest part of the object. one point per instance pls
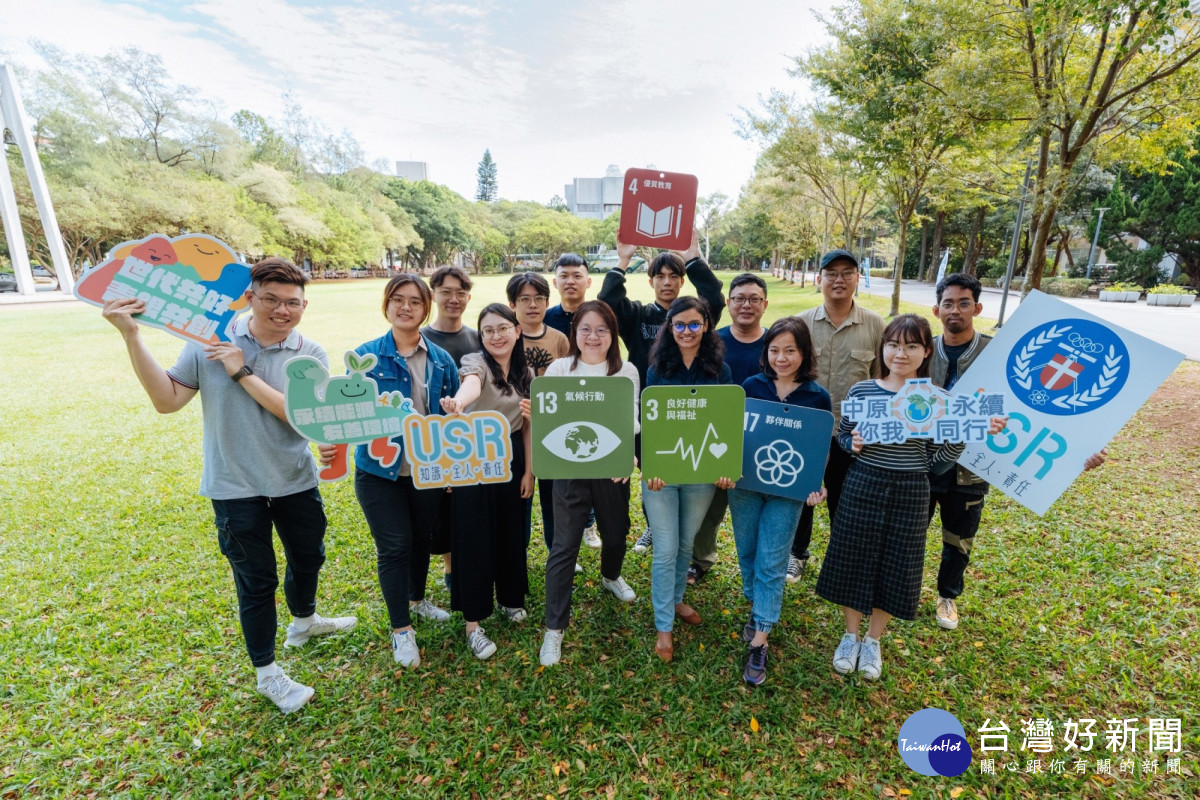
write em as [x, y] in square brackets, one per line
[1066, 287]
[1165, 288]
[881, 273]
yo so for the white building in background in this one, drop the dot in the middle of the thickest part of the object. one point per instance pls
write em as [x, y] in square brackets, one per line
[412, 170]
[595, 198]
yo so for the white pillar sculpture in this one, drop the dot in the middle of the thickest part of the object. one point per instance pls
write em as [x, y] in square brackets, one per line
[13, 120]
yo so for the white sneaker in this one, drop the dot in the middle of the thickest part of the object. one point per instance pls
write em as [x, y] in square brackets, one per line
[480, 644]
[619, 588]
[947, 613]
[285, 692]
[429, 611]
[870, 662]
[845, 658]
[404, 649]
[591, 538]
[644, 542]
[551, 650]
[320, 627]
[514, 614]
[578, 568]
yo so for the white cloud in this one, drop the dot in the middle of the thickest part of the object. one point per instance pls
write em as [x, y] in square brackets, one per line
[555, 90]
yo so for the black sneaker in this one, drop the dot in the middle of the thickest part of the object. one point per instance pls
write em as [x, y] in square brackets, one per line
[795, 568]
[694, 574]
[756, 665]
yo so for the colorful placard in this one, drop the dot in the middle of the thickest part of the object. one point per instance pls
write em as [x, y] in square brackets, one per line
[1070, 381]
[784, 448]
[193, 285]
[921, 410]
[582, 427]
[692, 434]
[658, 209]
[457, 449]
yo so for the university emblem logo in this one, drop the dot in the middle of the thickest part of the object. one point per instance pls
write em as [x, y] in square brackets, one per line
[1068, 367]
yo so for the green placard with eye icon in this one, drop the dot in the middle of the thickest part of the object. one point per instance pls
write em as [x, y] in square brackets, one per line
[692, 434]
[582, 427]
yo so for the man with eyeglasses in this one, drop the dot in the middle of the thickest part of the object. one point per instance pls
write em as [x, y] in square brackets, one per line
[845, 337]
[258, 472]
[743, 338]
[959, 492]
[528, 296]
[451, 292]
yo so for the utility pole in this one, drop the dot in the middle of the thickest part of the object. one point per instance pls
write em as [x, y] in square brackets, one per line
[1095, 239]
[1012, 252]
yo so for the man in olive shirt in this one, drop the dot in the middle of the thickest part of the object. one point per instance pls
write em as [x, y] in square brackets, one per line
[845, 338]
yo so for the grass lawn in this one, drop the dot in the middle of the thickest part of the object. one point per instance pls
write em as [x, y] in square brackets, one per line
[122, 669]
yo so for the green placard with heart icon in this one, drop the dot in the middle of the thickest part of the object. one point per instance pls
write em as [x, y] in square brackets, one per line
[582, 427]
[692, 434]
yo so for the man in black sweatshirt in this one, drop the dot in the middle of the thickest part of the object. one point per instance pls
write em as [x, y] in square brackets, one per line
[639, 322]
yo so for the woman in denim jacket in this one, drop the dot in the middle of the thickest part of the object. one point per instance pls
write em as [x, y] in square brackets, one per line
[399, 515]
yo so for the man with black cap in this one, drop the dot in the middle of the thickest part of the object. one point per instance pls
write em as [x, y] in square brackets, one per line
[845, 339]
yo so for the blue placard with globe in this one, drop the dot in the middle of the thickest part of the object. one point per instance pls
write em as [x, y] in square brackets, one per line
[582, 427]
[784, 449]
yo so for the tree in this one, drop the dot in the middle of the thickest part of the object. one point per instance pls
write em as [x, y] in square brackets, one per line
[486, 189]
[1106, 78]
[878, 75]
[708, 211]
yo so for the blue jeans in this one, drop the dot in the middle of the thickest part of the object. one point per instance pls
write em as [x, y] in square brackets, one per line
[244, 536]
[763, 528]
[674, 514]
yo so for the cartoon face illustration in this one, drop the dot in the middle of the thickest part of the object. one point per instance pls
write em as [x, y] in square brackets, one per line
[348, 387]
[155, 250]
[204, 254]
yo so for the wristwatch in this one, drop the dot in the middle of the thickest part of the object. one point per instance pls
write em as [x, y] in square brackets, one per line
[241, 373]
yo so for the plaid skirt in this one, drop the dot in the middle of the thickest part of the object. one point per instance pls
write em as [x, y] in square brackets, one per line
[876, 553]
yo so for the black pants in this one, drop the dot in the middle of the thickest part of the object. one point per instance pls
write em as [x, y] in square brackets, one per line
[573, 499]
[961, 512]
[835, 475]
[487, 543]
[401, 518]
[244, 536]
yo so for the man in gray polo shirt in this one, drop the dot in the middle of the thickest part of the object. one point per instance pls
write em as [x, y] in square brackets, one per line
[258, 472]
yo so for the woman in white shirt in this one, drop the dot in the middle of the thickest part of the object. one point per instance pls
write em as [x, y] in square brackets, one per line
[594, 352]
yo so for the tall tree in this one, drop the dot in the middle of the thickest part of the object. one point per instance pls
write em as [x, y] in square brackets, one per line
[485, 188]
[1101, 75]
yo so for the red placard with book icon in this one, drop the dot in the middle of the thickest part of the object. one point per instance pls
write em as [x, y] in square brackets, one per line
[658, 209]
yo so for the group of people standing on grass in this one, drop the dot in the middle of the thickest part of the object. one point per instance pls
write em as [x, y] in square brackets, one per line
[260, 475]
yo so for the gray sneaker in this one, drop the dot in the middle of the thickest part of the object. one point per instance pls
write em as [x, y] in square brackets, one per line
[514, 614]
[644, 542]
[285, 692]
[320, 626]
[870, 662]
[404, 649]
[428, 610]
[846, 657]
[480, 644]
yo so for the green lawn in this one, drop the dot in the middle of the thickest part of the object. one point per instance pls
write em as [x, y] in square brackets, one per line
[122, 670]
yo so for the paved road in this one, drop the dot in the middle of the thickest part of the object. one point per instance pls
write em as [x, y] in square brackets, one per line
[1178, 328]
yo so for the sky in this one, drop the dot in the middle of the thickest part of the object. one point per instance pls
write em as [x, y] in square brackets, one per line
[555, 90]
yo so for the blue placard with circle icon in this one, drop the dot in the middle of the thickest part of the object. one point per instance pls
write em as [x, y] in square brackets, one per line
[1070, 381]
[784, 449]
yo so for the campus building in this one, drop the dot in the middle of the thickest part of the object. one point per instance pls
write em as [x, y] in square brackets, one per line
[595, 198]
[412, 170]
